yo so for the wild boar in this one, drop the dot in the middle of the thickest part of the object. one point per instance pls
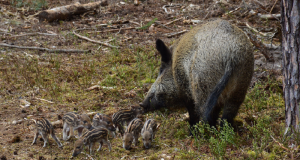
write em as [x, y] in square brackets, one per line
[102, 120]
[89, 138]
[208, 69]
[124, 116]
[148, 132]
[73, 121]
[44, 128]
[132, 133]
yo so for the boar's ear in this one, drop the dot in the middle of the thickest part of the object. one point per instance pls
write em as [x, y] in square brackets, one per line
[164, 51]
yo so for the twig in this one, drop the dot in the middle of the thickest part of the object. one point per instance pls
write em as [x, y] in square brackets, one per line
[233, 11]
[269, 16]
[126, 39]
[44, 100]
[164, 26]
[94, 41]
[174, 21]
[32, 34]
[169, 35]
[281, 145]
[273, 7]
[3, 30]
[261, 47]
[255, 30]
[110, 40]
[112, 30]
[135, 23]
[46, 49]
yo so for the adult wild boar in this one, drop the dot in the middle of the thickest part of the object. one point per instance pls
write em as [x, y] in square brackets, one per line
[208, 69]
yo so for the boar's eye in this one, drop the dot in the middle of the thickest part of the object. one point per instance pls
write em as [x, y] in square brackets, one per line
[149, 139]
[84, 121]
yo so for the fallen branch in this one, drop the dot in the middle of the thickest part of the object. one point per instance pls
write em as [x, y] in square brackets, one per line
[46, 49]
[32, 34]
[163, 26]
[43, 100]
[127, 39]
[112, 30]
[273, 7]
[281, 145]
[174, 21]
[269, 16]
[169, 35]
[135, 23]
[94, 41]
[65, 12]
[4, 30]
[255, 30]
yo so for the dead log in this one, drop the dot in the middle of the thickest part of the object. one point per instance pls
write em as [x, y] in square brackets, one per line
[65, 12]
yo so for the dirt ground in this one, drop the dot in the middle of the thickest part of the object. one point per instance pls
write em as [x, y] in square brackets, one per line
[15, 139]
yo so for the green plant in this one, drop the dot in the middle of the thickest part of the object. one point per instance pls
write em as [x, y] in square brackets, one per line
[148, 24]
[224, 137]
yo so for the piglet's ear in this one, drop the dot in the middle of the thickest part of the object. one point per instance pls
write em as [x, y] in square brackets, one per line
[164, 51]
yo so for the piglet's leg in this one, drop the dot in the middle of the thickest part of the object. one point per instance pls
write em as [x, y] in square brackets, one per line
[100, 146]
[91, 148]
[56, 139]
[66, 130]
[45, 138]
[35, 137]
[135, 139]
[108, 144]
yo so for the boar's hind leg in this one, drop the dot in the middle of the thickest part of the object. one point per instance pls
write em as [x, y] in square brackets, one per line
[214, 115]
[231, 107]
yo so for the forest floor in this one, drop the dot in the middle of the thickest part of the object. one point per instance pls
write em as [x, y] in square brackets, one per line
[35, 84]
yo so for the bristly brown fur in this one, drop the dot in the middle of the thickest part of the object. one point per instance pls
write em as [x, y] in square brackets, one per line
[210, 69]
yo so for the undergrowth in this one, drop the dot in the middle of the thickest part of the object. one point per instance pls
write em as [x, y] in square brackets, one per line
[64, 79]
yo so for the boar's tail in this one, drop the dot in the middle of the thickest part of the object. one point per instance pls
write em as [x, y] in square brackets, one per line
[213, 97]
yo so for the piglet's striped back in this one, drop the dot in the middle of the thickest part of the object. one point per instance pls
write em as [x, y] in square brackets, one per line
[134, 125]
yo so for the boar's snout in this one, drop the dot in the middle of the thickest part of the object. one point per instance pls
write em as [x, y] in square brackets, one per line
[143, 106]
[112, 128]
[75, 154]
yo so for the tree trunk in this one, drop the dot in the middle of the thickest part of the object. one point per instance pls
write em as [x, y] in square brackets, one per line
[290, 18]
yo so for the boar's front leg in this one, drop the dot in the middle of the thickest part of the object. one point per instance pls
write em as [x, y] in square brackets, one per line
[194, 117]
